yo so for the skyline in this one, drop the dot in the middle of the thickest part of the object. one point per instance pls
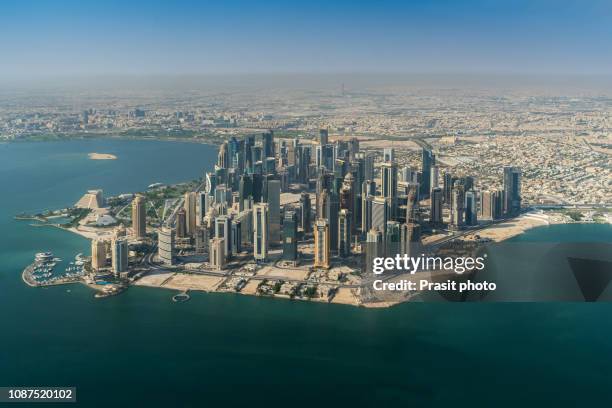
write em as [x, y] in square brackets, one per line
[472, 36]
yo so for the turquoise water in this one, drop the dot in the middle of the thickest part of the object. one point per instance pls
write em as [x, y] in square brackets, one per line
[142, 349]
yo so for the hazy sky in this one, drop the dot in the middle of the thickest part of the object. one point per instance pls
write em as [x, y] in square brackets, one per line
[176, 37]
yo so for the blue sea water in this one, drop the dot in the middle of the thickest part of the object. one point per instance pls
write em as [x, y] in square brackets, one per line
[142, 349]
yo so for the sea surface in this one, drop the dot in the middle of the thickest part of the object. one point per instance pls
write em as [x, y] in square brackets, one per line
[140, 349]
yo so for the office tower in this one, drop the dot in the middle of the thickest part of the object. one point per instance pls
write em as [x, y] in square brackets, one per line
[332, 208]
[120, 255]
[366, 213]
[499, 198]
[512, 191]
[374, 247]
[323, 137]
[436, 206]
[388, 155]
[389, 180]
[202, 207]
[201, 238]
[380, 213]
[190, 210]
[290, 251]
[392, 238]
[181, 223]
[217, 253]
[236, 236]
[321, 244]
[410, 239]
[260, 231]
[98, 254]
[368, 167]
[344, 233]
[457, 210]
[267, 144]
[347, 197]
[353, 147]
[487, 205]
[222, 195]
[223, 158]
[434, 180]
[305, 208]
[471, 208]
[428, 160]
[406, 174]
[223, 230]
[139, 220]
[165, 244]
[273, 200]
[447, 187]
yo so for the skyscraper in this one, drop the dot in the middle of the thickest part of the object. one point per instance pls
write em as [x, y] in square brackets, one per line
[165, 244]
[290, 252]
[190, 212]
[410, 239]
[321, 244]
[486, 205]
[223, 230]
[434, 177]
[344, 233]
[260, 231]
[120, 255]
[305, 212]
[447, 187]
[323, 137]
[457, 213]
[380, 213]
[273, 200]
[217, 253]
[98, 254]
[512, 191]
[181, 223]
[471, 208]
[139, 220]
[267, 144]
[392, 238]
[374, 247]
[436, 206]
[223, 158]
[428, 160]
[388, 155]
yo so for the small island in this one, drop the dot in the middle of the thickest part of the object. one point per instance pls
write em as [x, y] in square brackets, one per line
[102, 156]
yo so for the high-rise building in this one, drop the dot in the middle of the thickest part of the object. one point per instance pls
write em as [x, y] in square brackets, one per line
[273, 200]
[457, 210]
[260, 231]
[374, 247]
[181, 223]
[380, 213]
[428, 160]
[406, 174]
[447, 187]
[120, 255]
[392, 238]
[202, 238]
[305, 208]
[434, 180]
[410, 239]
[223, 230]
[139, 217]
[368, 168]
[471, 208]
[290, 251]
[267, 144]
[223, 158]
[512, 191]
[436, 206]
[165, 244]
[98, 254]
[344, 233]
[190, 212]
[388, 155]
[389, 180]
[236, 234]
[323, 137]
[321, 244]
[217, 253]
[486, 205]
[366, 213]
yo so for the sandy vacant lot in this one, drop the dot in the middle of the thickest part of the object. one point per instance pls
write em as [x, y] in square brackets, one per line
[273, 271]
[181, 281]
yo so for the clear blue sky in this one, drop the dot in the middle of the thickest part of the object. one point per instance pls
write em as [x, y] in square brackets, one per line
[177, 37]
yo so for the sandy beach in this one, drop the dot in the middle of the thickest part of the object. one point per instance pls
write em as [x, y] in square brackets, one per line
[506, 230]
[102, 156]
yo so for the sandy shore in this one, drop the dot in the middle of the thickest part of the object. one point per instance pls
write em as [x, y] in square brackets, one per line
[180, 281]
[102, 156]
[506, 230]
